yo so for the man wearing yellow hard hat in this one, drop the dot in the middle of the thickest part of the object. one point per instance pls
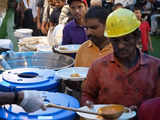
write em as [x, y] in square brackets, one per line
[127, 76]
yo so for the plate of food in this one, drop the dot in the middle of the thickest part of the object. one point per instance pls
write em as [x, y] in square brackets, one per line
[73, 73]
[67, 48]
[97, 108]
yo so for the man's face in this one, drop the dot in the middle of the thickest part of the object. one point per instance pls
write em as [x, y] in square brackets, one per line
[51, 2]
[124, 46]
[95, 30]
[59, 3]
[78, 9]
[138, 14]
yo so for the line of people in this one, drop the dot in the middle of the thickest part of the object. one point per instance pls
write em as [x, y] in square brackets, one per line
[119, 72]
[50, 17]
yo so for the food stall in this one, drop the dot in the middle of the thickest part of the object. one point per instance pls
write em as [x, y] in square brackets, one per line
[31, 70]
[14, 112]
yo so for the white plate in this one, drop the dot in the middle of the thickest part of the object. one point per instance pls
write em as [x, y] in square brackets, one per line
[24, 30]
[66, 73]
[44, 48]
[21, 33]
[124, 116]
[68, 48]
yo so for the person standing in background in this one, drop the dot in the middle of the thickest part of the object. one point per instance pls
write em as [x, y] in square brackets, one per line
[145, 29]
[54, 21]
[49, 8]
[40, 10]
[96, 3]
[74, 31]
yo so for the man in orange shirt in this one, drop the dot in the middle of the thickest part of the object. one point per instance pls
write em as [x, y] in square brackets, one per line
[127, 76]
[97, 46]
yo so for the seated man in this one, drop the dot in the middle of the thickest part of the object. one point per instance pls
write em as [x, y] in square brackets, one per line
[150, 110]
[127, 76]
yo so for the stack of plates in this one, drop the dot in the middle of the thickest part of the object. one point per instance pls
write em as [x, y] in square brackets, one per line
[21, 33]
[72, 73]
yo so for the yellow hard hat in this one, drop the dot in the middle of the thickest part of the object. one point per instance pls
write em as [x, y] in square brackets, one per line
[121, 22]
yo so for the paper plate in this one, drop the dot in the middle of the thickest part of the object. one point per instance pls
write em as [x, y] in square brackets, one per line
[24, 30]
[68, 48]
[44, 48]
[67, 73]
[124, 116]
[21, 33]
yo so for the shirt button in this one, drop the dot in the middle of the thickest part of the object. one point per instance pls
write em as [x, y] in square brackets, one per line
[130, 81]
[137, 90]
[105, 89]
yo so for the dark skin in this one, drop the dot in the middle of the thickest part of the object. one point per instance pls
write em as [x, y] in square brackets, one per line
[125, 50]
[8, 98]
[95, 30]
[78, 10]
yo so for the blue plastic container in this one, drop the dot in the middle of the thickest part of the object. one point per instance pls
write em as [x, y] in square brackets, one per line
[28, 79]
[10, 112]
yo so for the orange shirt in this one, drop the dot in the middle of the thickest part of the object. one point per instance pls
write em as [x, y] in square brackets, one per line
[109, 83]
[89, 52]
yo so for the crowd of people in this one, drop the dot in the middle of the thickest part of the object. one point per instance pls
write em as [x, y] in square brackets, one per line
[115, 41]
[48, 17]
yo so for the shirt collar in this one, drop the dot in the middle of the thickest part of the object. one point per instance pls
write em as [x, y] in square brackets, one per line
[142, 59]
[74, 24]
[90, 43]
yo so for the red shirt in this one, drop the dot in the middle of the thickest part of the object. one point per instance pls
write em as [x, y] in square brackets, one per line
[108, 83]
[150, 110]
[144, 28]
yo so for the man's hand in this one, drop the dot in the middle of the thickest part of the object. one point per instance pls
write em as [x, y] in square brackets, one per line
[32, 101]
[38, 25]
[89, 104]
[43, 28]
[133, 108]
[54, 50]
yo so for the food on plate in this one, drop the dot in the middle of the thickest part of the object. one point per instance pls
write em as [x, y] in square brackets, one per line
[75, 75]
[62, 48]
[30, 47]
[112, 111]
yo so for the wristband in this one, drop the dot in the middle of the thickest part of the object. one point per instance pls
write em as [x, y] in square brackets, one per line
[16, 96]
[25, 99]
